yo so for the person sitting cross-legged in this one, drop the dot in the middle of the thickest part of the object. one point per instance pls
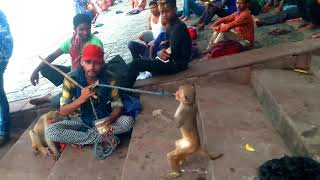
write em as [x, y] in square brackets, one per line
[107, 103]
[175, 53]
[238, 26]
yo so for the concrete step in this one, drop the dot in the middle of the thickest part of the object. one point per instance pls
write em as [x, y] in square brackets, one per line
[292, 100]
[21, 163]
[151, 140]
[232, 117]
[15, 134]
[80, 164]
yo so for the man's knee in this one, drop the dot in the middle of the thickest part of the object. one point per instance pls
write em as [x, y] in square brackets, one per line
[45, 71]
[132, 45]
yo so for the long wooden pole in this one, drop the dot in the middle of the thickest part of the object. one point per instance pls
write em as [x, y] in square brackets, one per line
[61, 72]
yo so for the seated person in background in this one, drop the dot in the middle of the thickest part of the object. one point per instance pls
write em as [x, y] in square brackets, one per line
[221, 8]
[285, 11]
[191, 6]
[147, 51]
[310, 11]
[176, 52]
[137, 6]
[238, 26]
[72, 46]
[77, 101]
[155, 26]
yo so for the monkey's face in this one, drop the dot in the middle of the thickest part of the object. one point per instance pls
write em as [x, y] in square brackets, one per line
[185, 94]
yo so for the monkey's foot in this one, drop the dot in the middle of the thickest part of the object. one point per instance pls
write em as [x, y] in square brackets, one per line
[172, 175]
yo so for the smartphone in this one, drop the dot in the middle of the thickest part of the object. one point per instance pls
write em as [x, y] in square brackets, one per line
[168, 51]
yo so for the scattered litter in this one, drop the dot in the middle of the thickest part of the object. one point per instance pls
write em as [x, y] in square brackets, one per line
[119, 12]
[301, 71]
[98, 25]
[250, 148]
[197, 170]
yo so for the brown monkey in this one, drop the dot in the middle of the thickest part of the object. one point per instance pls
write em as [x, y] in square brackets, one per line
[37, 135]
[186, 119]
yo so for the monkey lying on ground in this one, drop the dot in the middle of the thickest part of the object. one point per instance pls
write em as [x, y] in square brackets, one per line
[39, 142]
[186, 119]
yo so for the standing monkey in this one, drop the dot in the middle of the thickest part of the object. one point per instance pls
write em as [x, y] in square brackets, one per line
[186, 119]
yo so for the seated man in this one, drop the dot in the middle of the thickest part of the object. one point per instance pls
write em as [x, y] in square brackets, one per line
[191, 6]
[155, 25]
[177, 55]
[309, 9]
[72, 46]
[74, 99]
[238, 26]
[221, 8]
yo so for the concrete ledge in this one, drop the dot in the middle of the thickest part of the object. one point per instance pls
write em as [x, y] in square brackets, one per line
[238, 60]
[292, 101]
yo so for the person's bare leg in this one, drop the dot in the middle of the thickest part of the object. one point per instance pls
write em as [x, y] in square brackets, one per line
[303, 24]
[316, 36]
[310, 26]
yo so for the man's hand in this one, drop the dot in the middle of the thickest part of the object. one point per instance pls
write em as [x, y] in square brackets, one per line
[163, 55]
[216, 28]
[34, 78]
[86, 93]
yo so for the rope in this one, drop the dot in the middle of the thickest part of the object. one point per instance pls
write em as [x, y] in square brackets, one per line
[99, 152]
[160, 93]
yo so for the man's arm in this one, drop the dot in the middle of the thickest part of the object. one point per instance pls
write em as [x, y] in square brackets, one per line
[35, 75]
[225, 20]
[71, 107]
[243, 19]
[149, 23]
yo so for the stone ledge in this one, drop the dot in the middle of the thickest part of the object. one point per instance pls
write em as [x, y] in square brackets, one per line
[238, 60]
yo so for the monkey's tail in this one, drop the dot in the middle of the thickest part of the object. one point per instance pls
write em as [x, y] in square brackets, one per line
[210, 156]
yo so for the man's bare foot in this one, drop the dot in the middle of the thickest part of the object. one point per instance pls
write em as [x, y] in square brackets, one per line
[304, 24]
[310, 26]
[201, 27]
[185, 19]
[41, 100]
[316, 36]
[181, 17]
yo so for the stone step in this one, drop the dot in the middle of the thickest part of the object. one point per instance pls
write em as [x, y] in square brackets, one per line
[292, 101]
[20, 161]
[15, 134]
[151, 140]
[80, 164]
[231, 118]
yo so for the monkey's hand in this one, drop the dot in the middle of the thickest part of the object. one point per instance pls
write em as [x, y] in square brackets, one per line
[159, 114]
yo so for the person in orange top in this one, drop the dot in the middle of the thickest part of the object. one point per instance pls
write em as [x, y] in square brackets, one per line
[238, 26]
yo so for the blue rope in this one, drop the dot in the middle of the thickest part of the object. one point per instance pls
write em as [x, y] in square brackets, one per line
[101, 152]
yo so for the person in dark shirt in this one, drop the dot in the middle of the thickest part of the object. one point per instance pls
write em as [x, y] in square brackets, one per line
[175, 53]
